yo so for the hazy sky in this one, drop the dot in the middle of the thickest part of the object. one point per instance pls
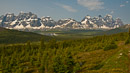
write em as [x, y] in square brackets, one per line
[60, 9]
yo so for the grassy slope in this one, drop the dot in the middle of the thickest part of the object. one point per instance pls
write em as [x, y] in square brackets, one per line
[14, 36]
[113, 61]
[100, 61]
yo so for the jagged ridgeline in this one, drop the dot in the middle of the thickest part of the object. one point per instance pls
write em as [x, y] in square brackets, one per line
[29, 20]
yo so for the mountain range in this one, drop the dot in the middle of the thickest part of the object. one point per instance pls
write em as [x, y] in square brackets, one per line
[24, 21]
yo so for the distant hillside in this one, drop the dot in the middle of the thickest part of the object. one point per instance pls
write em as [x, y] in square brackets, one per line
[13, 36]
[127, 26]
[123, 28]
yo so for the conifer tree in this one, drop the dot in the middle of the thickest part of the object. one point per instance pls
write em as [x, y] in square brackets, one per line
[52, 44]
[129, 32]
[58, 65]
[28, 45]
[42, 44]
[69, 62]
[128, 38]
[76, 67]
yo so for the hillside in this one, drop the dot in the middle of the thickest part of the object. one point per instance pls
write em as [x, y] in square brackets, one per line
[100, 54]
[112, 31]
[124, 28]
[13, 36]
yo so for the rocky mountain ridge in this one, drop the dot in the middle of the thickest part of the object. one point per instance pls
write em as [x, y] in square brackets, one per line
[31, 21]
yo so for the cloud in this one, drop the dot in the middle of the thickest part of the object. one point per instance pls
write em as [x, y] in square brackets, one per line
[122, 5]
[127, 2]
[67, 7]
[91, 4]
[112, 12]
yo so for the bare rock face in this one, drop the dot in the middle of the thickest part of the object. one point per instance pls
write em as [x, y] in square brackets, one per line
[106, 22]
[31, 21]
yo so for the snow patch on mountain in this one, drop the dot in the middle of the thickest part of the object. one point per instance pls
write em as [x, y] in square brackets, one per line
[31, 21]
[14, 22]
[19, 27]
[105, 27]
[0, 21]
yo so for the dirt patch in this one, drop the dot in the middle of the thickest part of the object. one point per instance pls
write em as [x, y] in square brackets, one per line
[121, 43]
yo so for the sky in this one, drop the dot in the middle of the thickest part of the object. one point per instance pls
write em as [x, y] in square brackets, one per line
[76, 9]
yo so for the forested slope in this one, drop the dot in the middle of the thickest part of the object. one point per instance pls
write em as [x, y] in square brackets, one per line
[100, 54]
[13, 36]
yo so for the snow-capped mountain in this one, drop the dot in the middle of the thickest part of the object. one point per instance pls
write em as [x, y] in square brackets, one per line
[31, 21]
[106, 22]
[68, 23]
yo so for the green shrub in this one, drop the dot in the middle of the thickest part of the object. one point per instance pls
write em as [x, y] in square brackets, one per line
[127, 41]
[97, 67]
[110, 46]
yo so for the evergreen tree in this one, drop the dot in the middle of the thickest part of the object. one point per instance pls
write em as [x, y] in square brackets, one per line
[110, 46]
[28, 46]
[52, 44]
[58, 65]
[69, 61]
[42, 44]
[129, 32]
[128, 38]
[76, 68]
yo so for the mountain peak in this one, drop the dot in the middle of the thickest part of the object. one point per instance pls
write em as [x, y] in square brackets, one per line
[31, 21]
[108, 16]
[88, 16]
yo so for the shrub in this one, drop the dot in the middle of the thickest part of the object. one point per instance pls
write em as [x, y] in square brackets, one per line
[97, 67]
[110, 46]
[127, 41]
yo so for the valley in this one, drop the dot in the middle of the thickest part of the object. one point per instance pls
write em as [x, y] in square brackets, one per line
[69, 34]
[64, 36]
[56, 51]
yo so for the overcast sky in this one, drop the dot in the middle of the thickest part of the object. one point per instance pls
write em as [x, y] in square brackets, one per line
[60, 9]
